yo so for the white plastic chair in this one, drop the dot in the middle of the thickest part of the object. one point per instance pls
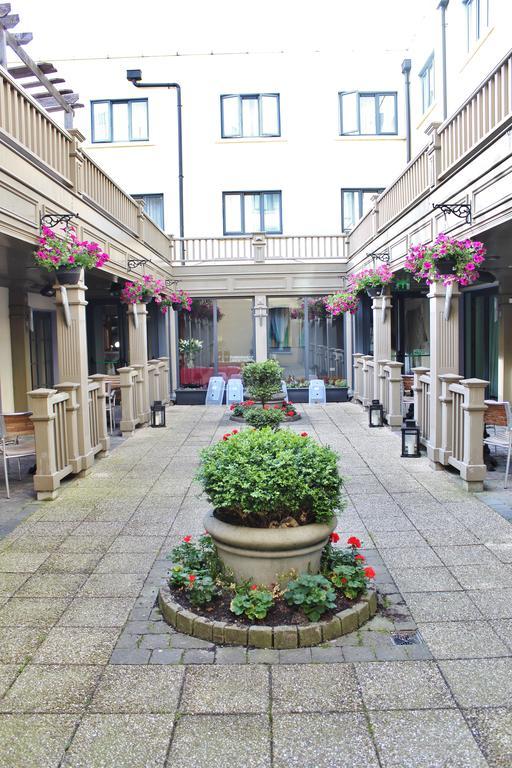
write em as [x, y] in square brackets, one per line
[284, 389]
[17, 441]
[111, 406]
[317, 394]
[234, 391]
[215, 393]
[502, 438]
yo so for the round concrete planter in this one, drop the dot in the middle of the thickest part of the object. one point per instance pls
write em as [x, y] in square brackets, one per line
[264, 636]
[241, 419]
[268, 555]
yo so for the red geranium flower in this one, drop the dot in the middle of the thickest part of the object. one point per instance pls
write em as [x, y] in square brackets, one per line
[360, 557]
[187, 539]
[290, 413]
[343, 580]
[354, 542]
[369, 573]
[265, 407]
[231, 407]
[191, 577]
[234, 432]
[303, 434]
[254, 586]
[276, 407]
[335, 537]
[225, 437]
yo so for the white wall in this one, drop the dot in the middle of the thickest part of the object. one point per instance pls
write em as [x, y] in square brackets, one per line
[5, 353]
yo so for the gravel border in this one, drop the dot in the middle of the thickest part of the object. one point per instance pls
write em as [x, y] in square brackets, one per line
[261, 636]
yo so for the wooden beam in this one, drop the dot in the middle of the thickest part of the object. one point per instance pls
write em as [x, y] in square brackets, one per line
[59, 109]
[49, 101]
[18, 72]
[8, 22]
[23, 38]
[44, 94]
[5, 8]
[37, 84]
[23, 55]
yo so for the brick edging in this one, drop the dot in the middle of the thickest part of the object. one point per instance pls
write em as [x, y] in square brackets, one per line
[260, 636]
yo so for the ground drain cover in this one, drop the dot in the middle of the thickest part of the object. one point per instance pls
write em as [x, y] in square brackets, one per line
[407, 638]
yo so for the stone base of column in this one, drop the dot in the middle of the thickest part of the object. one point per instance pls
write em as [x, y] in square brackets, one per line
[394, 421]
[47, 495]
[435, 465]
[473, 486]
[85, 472]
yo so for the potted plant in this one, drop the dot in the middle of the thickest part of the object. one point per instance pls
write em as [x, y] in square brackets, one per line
[274, 495]
[177, 300]
[142, 291]
[447, 260]
[339, 303]
[66, 255]
[373, 281]
[189, 348]
[263, 380]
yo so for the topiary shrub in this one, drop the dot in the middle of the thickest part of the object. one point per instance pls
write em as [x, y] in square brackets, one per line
[261, 417]
[262, 478]
[262, 380]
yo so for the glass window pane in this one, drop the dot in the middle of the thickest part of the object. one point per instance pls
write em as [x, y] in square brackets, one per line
[232, 214]
[350, 215]
[270, 115]
[153, 207]
[139, 110]
[387, 117]
[120, 121]
[271, 212]
[349, 121]
[326, 354]
[367, 114]
[286, 334]
[231, 115]
[250, 121]
[101, 121]
[195, 330]
[235, 335]
[252, 213]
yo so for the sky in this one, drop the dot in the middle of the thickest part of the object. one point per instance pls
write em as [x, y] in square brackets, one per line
[126, 28]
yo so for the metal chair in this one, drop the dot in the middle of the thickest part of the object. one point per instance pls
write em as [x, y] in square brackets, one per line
[502, 438]
[234, 391]
[15, 426]
[111, 406]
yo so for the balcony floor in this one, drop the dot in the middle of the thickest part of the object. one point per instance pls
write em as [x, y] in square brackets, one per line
[91, 676]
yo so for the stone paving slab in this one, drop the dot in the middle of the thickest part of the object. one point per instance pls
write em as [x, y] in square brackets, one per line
[90, 669]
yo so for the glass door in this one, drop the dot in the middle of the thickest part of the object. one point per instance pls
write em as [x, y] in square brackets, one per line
[41, 350]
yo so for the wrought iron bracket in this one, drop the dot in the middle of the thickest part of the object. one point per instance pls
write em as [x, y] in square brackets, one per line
[380, 255]
[460, 210]
[134, 263]
[53, 219]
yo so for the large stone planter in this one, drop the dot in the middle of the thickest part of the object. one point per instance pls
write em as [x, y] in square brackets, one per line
[269, 555]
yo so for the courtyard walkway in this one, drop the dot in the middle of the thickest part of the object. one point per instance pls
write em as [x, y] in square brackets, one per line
[91, 676]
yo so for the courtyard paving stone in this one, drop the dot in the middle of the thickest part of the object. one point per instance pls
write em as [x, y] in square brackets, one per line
[80, 636]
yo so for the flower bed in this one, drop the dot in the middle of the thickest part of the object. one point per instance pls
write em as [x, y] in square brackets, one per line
[202, 599]
[287, 411]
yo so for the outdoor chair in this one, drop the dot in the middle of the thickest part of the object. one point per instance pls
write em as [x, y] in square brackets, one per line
[17, 441]
[502, 438]
[111, 405]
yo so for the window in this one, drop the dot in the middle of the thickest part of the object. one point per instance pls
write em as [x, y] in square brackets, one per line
[248, 212]
[354, 204]
[368, 114]
[119, 120]
[477, 20]
[153, 207]
[250, 115]
[427, 83]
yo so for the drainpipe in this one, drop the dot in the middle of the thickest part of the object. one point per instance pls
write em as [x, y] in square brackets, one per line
[443, 5]
[406, 71]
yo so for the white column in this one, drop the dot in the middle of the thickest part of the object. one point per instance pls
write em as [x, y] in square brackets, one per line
[381, 335]
[444, 358]
[348, 351]
[260, 327]
[138, 350]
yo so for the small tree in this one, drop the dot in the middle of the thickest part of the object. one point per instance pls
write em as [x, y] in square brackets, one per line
[262, 380]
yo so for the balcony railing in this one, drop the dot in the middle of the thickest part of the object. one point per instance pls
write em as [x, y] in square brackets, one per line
[258, 247]
[100, 188]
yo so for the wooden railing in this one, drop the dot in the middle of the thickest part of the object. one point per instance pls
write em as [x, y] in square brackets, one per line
[422, 405]
[97, 398]
[156, 239]
[410, 186]
[462, 419]
[357, 389]
[101, 189]
[24, 120]
[487, 110]
[258, 248]
[368, 379]
[362, 233]
[390, 378]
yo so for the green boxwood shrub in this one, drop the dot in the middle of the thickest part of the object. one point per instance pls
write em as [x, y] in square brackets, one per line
[262, 380]
[260, 478]
[260, 418]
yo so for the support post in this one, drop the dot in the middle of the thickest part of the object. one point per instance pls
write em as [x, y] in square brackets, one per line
[348, 353]
[260, 328]
[395, 417]
[19, 315]
[73, 363]
[446, 400]
[164, 379]
[103, 435]
[444, 358]
[381, 334]
[473, 470]
[358, 375]
[367, 387]
[72, 409]
[138, 352]
[129, 419]
[46, 480]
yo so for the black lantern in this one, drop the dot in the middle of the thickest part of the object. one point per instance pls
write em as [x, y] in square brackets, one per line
[158, 414]
[410, 439]
[376, 414]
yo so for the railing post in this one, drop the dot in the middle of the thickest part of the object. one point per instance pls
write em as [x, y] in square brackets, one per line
[259, 247]
[164, 379]
[46, 479]
[138, 354]
[103, 435]
[72, 408]
[76, 159]
[153, 381]
[142, 386]
[375, 214]
[394, 382]
[433, 154]
[128, 417]
[473, 469]
[358, 376]
[417, 389]
[367, 372]
[444, 356]
[446, 400]
[141, 217]
[380, 388]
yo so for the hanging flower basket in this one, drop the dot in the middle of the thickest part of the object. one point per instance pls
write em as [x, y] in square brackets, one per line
[340, 303]
[373, 281]
[142, 292]
[447, 260]
[178, 300]
[66, 255]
